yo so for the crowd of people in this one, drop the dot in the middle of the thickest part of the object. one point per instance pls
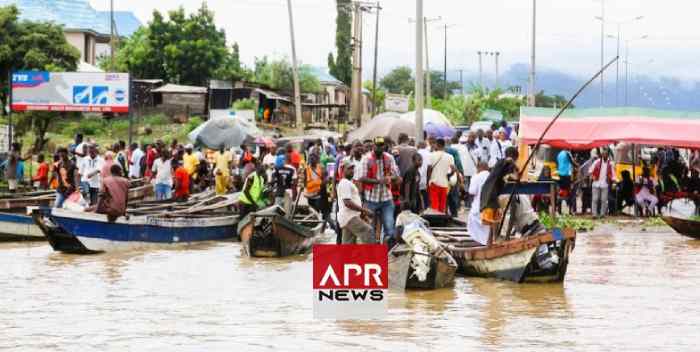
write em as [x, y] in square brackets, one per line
[362, 185]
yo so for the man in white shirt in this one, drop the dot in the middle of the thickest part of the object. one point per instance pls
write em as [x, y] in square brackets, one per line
[90, 167]
[135, 162]
[602, 175]
[477, 230]
[355, 229]
[441, 167]
[483, 144]
[497, 151]
[424, 152]
[163, 171]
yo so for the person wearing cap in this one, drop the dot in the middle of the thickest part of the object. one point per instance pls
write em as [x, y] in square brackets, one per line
[376, 174]
[355, 230]
[283, 178]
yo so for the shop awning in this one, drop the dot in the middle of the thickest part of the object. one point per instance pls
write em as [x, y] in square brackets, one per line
[590, 128]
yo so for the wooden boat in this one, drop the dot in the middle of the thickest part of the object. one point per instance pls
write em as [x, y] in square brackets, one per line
[419, 261]
[86, 233]
[538, 258]
[270, 233]
[685, 227]
[16, 224]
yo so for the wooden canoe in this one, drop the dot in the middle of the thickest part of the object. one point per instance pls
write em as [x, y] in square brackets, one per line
[538, 258]
[442, 269]
[269, 233]
[685, 227]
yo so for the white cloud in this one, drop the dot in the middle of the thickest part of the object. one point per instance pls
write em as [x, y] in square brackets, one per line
[568, 36]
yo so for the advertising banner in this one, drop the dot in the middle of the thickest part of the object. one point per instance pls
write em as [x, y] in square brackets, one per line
[396, 102]
[70, 91]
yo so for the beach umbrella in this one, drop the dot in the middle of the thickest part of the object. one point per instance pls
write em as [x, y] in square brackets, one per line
[383, 126]
[439, 130]
[231, 132]
[429, 115]
[265, 142]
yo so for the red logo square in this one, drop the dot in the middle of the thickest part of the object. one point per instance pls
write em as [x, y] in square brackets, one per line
[351, 266]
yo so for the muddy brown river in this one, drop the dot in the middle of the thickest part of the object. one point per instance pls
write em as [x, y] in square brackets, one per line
[624, 291]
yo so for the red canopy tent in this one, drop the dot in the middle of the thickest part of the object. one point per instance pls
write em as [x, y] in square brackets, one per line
[590, 128]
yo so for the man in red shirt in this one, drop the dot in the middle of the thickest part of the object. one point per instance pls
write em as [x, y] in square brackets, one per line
[182, 182]
[293, 156]
[41, 180]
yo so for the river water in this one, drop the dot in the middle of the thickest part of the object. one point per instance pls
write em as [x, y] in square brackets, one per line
[623, 291]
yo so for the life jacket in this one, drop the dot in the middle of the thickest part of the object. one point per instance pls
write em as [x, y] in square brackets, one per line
[313, 184]
[595, 175]
[256, 190]
[372, 169]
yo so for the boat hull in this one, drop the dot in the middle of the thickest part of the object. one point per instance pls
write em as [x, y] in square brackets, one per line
[684, 227]
[283, 237]
[80, 232]
[517, 260]
[19, 227]
[441, 275]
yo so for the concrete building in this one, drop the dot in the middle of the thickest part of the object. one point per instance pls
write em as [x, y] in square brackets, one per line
[84, 27]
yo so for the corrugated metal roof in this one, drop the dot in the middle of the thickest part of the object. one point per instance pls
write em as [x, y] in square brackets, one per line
[74, 14]
[322, 75]
[176, 88]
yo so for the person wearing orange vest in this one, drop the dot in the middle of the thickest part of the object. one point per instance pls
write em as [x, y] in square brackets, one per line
[377, 172]
[314, 179]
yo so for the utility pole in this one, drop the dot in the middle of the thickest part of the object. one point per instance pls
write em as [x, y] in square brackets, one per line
[356, 94]
[428, 84]
[444, 77]
[111, 34]
[419, 70]
[481, 70]
[461, 82]
[496, 54]
[602, 52]
[531, 81]
[376, 55]
[295, 71]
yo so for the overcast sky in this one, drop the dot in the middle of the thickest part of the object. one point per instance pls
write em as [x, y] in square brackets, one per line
[568, 35]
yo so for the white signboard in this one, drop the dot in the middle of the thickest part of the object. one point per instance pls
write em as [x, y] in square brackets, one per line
[70, 91]
[396, 102]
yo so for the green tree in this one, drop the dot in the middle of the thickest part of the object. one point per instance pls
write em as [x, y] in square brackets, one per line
[180, 49]
[341, 66]
[278, 75]
[399, 81]
[380, 95]
[547, 101]
[30, 45]
[232, 69]
[437, 85]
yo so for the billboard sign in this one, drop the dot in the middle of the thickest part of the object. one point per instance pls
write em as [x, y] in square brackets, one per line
[70, 91]
[396, 102]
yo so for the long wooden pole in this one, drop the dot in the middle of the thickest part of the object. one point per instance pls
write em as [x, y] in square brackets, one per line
[549, 126]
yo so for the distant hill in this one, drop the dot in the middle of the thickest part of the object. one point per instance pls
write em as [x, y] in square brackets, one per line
[644, 91]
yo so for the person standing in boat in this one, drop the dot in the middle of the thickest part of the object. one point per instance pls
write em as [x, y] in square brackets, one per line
[114, 194]
[41, 179]
[181, 181]
[68, 178]
[135, 170]
[90, 174]
[350, 211]
[377, 172]
[252, 196]
[314, 180]
[163, 176]
[190, 162]
[222, 169]
[477, 230]
[283, 178]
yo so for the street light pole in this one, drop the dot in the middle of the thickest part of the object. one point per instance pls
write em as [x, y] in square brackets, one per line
[531, 80]
[376, 55]
[419, 70]
[481, 70]
[497, 78]
[295, 70]
[602, 52]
